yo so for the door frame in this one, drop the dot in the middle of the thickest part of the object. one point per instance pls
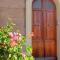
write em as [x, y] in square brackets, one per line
[29, 23]
[28, 20]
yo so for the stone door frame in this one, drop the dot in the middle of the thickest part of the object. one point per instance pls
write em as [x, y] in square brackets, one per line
[28, 19]
[29, 23]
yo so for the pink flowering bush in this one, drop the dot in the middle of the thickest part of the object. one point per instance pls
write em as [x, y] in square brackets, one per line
[12, 45]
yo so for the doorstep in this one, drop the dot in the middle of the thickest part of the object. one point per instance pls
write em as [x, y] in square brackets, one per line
[46, 58]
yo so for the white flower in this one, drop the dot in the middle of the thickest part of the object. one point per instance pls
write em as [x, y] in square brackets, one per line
[20, 35]
[20, 38]
[23, 54]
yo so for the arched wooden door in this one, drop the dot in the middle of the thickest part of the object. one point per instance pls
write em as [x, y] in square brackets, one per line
[44, 28]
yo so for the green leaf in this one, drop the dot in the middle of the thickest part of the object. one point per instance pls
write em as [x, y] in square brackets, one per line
[28, 50]
[10, 50]
[20, 57]
[26, 58]
[15, 57]
[31, 58]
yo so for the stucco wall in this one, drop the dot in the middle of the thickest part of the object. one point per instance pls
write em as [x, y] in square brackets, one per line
[58, 28]
[57, 2]
[14, 9]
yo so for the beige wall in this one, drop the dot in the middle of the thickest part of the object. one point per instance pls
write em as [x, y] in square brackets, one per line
[58, 29]
[14, 9]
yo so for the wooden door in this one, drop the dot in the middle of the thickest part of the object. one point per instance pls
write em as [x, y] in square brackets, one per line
[44, 28]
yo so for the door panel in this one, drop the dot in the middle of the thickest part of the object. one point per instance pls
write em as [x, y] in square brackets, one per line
[37, 41]
[38, 48]
[36, 17]
[37, 32]
[51, 25]
[45, 24]
[50, 48]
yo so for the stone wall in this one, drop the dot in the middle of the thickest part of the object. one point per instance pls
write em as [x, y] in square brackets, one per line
[14, 9]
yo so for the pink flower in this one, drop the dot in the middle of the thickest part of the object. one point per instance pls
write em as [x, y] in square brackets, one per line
[13, 43]
[11, 34]
[13, 38]
[30, 35]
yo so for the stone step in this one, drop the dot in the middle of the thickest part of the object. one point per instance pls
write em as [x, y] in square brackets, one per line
[46, 58]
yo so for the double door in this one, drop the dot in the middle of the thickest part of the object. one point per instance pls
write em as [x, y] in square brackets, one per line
[44, 29]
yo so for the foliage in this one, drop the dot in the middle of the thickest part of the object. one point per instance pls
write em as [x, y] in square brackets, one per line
[12, 43]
